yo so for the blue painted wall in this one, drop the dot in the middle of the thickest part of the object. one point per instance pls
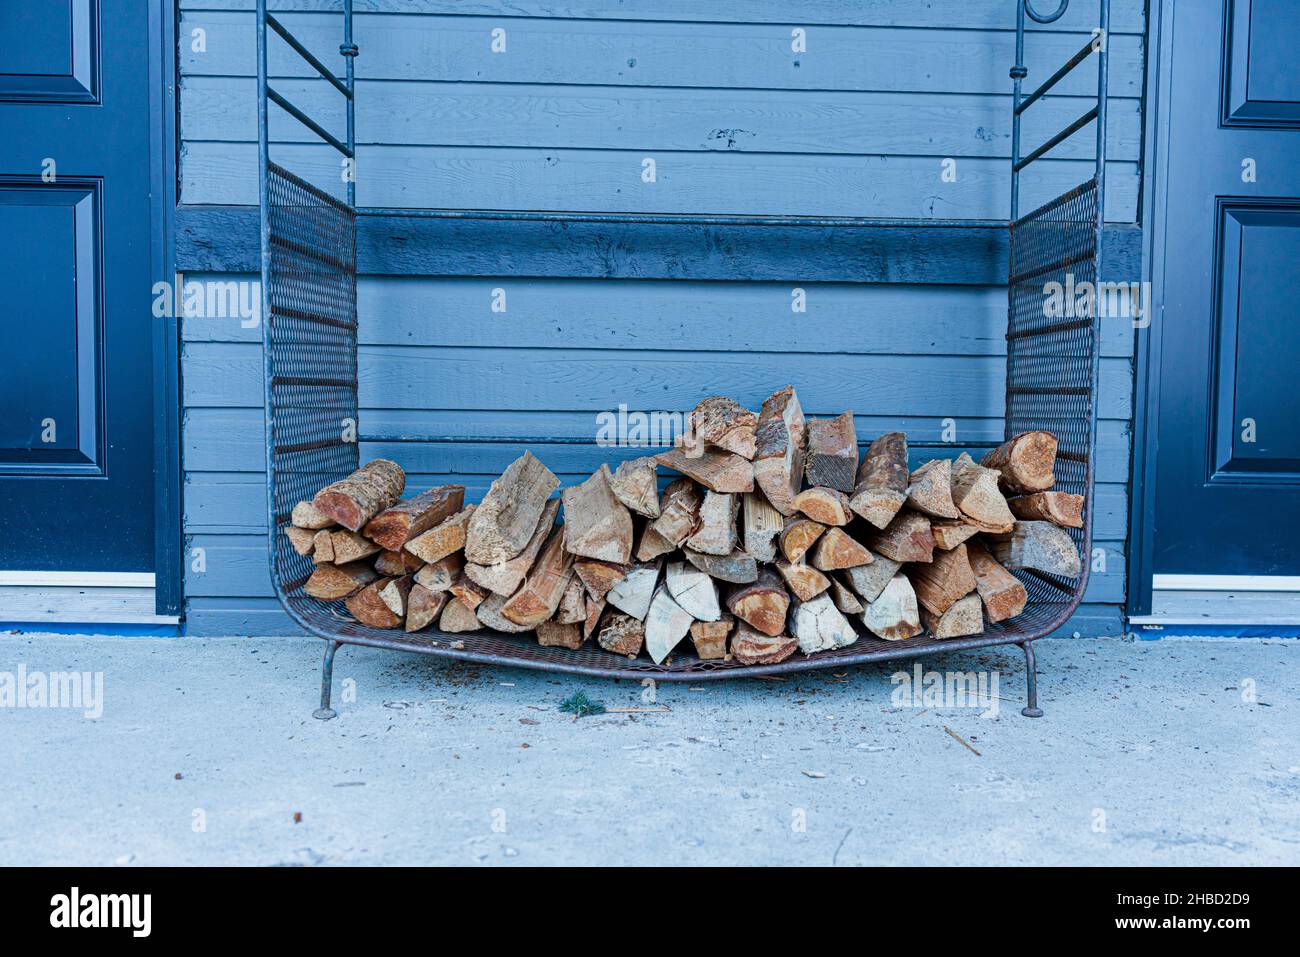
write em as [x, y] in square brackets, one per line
[859, 125]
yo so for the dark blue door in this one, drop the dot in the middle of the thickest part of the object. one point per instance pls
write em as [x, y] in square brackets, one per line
[76, 440]
[1228, 463]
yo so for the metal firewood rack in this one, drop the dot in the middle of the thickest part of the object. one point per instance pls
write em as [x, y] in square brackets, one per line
[308, 254]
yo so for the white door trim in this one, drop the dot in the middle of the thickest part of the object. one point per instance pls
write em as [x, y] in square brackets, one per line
[78, 579]
[1232, 583]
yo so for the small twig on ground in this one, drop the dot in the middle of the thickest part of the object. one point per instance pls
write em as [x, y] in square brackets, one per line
[966, 744]
[636, 710]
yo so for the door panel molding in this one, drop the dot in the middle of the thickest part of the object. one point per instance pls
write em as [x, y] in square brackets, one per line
[75, 81]
[1262, 106]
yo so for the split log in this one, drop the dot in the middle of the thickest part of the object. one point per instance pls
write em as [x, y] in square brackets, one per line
[1001, 592]
[539, 596]
[442, 574]
[716, 533]
[470, 592]
[394, 527]
[738, 567]
[361, 496]
[622, 634]
[779, 449]
[944, 581]
[596, 523]
[1059, 508]
[633, 593]
[804, 582]
[307, 515]
[595, 607]
[906, 539]
[505, 520]
[396, 564]
[1038, 545]
[323, 546]
[825, 505]
[1026, 462]
[963, 617]
[330, 582]
[762, 603]
[573, 604]
[894, 615]
[798, 536]
[303, 540]
[710, 638]
[489, 613]
[832, 457]
[951, 532]
[929, 490]
[679, 512]
[505, 578]
[761, 524]
[367, 607]
[666, 624]
[728, 425]
[751, 647]
[424, 606]
[836, 549]
[394, 594]
[819, 626]
[717, 471]
[652, 545]
[695, 591]
[457, 617]
[351, 546]
[844, 598]
[444, 538]
[870, 580]
[635, 483]
[882, 480]
[599, 577]
[975, 493]
[556, 634]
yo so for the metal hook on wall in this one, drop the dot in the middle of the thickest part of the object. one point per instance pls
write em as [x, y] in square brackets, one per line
[1049, 18]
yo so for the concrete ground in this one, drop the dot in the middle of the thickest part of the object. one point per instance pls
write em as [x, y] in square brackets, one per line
[1151, 752]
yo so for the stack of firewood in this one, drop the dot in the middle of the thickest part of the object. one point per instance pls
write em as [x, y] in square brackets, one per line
[777, 533]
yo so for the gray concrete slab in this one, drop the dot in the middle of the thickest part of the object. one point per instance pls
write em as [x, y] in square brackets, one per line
[1151, 752]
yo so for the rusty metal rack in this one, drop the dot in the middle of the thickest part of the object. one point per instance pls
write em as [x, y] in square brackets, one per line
[308, 245]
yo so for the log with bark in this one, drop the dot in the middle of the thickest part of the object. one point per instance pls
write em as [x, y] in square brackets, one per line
[716, 470]
[729, 425]
[738, 567]
[307, 515]
[369, 608]
[424, 606]
[1026, 463]
[844, 598]
[832, 457]
[710, 638]
[622, 635]
[951, 532]
[944, 581]
[489, 612]
[819, 626]
[1038, 545]
[330, 582]
[348, 547]
[963, 617]
[798, 536]
[804, 581]
[836, 549]
[1059, 508]
[635, 483]
[396, 564]
[394, 594]
[632, 593]
[666, 623]
[596, 523]
[444, 538]
[395, 526]
[538, 598]
[762, 603]
[323, 546]
[779, 449]
[470, 592]
[894, 615]
[752, 647]
[826, 506]
[457, 617]
[303, 540]
[975, 492]
[761, 524]
[442, 574]
[557, 634]
[599, 577]
[355, 500]
[679, 512]
[882, 480]
[929, 489]
[1001, 592]
[505, 577]
[505, 520]
[906, 539]
[870, 580]
[573, 603]
[716, 532]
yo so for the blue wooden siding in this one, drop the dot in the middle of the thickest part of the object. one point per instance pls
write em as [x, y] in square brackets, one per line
[858, 127]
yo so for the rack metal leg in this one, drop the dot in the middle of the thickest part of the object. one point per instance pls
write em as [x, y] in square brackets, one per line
[325, 712]
[1031, 709]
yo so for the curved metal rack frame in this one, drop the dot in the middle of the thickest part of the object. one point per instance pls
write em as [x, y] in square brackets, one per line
[308, 244]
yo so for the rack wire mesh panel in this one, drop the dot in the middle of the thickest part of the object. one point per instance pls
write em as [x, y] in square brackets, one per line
[311, 353]
[1052, 369]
